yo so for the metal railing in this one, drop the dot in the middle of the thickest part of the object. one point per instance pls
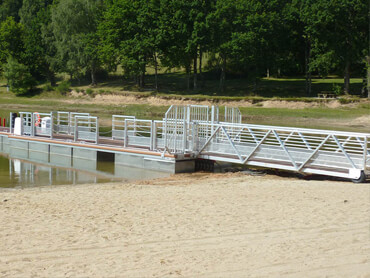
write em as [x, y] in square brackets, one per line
[26, 123]
[138, 133]
[43, 124]
[86, 128]
[36, 124]
[65, 122]
[342, 154]
[233, 115]
[119, 126]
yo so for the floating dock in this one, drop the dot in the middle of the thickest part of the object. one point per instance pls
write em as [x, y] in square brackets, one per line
[186, 134]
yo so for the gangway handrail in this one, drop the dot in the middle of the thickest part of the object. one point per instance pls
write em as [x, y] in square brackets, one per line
[295, 149]
[282, 128]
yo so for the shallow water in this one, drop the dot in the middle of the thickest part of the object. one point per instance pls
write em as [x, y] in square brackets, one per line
[22, 173]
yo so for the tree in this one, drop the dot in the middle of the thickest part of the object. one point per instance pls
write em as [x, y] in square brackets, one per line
[10, 8]
[367, 62]
[255, 44]
[221, 21]
[129, 36]
[185, 34]
[39, 48]
[18, 76]
[338, 29]
[74, 24]
[11, 40]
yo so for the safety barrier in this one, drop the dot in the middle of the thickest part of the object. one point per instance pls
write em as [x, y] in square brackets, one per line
[342, 154]
[43, 124]
[65, 122]
[86, 128]
[118, 126]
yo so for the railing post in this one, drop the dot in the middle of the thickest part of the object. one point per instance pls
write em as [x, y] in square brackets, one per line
[184, 132]
[125, 135]
[365, 152]
[69, 127]
[113, 126]
[33, 124]
[175, 146]
[10, 123]
[58, 122]
[75, 137]
[152, 135]
[195, 137]
[21, 116]
[165, 132]
[135, 127]
[51, 124]
[97, 129]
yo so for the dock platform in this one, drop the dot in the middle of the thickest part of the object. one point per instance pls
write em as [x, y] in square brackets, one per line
[185, 134]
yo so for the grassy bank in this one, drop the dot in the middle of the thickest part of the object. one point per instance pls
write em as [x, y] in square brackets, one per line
[175, 84]
[342, 118]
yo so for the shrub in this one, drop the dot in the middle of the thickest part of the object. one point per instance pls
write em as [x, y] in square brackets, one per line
[63, 87]
[337, 89]
[89, 91]
[48, 88]
[19, 78]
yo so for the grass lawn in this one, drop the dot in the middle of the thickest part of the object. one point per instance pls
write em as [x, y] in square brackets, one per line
[237, 89]
[175, 84]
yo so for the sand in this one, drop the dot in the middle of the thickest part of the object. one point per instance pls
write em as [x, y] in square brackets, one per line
[194, 225]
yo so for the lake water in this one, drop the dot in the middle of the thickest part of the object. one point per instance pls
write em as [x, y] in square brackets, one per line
[22, 173]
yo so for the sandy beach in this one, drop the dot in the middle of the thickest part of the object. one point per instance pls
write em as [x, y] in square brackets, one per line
[188, 225]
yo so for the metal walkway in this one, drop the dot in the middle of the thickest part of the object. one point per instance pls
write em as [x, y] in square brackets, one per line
[196, 131]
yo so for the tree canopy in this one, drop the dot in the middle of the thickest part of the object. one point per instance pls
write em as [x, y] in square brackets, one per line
[249, 38]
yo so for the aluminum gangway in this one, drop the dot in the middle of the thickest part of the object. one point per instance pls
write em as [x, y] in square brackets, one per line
[203, 132]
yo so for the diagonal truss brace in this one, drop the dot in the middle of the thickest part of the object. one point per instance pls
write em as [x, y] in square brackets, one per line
[285, 149]
[344, 151]
[232, 143]
[314, 152]
[209, 140]
[256, 147]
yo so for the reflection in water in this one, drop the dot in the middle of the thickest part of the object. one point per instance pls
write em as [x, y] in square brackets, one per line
[21, 173]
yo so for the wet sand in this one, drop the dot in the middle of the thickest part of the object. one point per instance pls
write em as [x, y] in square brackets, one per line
[193, 225]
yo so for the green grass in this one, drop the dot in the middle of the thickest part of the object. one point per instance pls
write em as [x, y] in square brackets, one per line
[175, 84]
[289, 89]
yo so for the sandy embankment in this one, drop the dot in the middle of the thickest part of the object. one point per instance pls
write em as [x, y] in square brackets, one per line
[197, 225]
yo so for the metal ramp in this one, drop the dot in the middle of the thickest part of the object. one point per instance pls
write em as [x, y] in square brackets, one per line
[332, 153]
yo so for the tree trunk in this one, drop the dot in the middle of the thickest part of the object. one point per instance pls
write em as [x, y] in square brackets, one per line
[142, 80]
[51, 77]
[200, 68]
[347, 77]
[156, 71]
[256, 79]
[368, 77]
[195, 76]
[268, 73]
[368, 57]
[142, 74]
[307, 68]
[187, 68]
[223, 74]
[93, 80]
